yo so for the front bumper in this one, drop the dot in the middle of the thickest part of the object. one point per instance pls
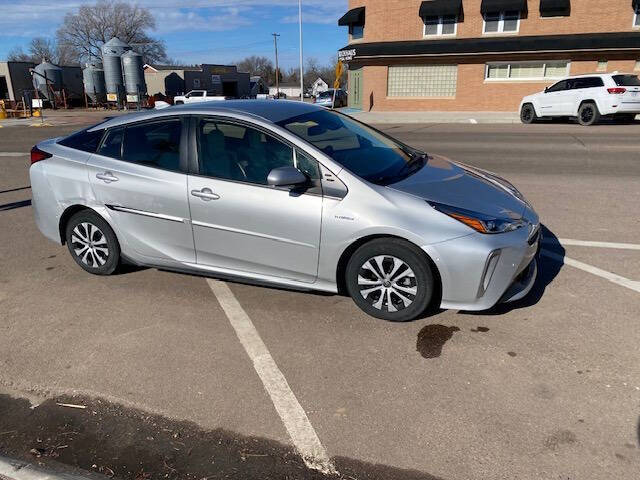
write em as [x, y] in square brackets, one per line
[478, 271]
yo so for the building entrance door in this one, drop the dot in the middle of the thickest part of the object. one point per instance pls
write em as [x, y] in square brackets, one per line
[355, 88]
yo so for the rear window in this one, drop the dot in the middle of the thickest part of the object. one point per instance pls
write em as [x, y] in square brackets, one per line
[327, 94]
[627, 80]
[83, 140]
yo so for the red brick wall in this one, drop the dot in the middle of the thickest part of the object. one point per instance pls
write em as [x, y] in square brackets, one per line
[394, 20]
[473, 93]
[391, 20]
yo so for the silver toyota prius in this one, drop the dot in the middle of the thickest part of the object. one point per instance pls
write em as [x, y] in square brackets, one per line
[288, 194]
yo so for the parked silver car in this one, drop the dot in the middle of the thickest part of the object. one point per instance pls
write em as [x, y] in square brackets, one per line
[291, 194]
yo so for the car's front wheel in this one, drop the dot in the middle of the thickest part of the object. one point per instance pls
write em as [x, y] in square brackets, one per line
[391, 279]
[528, 114]
[588, 114]
[92, 243]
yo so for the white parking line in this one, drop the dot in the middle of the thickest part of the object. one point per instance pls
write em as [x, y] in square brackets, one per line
[14, 154]
[612, 277]
[588, 243]
[295, 420]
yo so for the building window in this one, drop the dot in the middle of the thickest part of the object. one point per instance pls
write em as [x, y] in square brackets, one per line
[356, 32]
[196, 83]
[636, 16]
[637, 67]
[422, 81]
[602, 66]
[526, 71]
[501, 22]
[438, 26]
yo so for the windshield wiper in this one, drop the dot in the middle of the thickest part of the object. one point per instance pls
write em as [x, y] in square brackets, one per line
[417, 161]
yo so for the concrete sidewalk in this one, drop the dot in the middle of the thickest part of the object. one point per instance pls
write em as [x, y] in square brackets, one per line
[433, 117]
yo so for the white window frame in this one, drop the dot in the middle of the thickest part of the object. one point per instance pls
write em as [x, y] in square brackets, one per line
[636, 15]
[501, 25]
[440, 27]
[508, 78]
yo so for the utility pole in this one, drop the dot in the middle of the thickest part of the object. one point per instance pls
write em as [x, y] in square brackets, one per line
[275, 42]
[301, 66]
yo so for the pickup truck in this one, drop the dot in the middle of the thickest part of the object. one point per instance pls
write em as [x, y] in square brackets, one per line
[195, 96]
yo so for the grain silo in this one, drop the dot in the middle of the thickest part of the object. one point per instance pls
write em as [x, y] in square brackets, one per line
[93, 79]
[47, 77]
[133, 74]
[111, 53]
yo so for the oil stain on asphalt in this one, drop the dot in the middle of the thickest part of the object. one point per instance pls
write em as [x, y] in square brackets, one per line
[432, 338]
[128, 443]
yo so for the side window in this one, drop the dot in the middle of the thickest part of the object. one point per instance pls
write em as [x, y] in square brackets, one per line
[234, 152]
[307, 165]
[112, 143]
[84, 140]
[155, 144]
[558, 87]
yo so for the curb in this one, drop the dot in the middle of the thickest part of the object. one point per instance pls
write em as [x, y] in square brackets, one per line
[13, 469]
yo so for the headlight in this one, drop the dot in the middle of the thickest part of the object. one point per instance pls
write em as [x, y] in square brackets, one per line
[478, 221]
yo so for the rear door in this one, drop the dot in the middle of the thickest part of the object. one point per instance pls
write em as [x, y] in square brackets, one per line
[139, 174]
[582, 88]
[239, 222]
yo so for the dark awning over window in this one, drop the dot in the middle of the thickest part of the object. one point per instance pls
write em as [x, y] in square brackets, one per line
[552, 8]
[492, 6]
[494, 45]
[355, 16]
[436, 8]
[635, 3]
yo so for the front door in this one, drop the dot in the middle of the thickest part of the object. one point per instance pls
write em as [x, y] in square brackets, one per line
[242, 225]
[140, 175]
[355, 88]
[554, 100]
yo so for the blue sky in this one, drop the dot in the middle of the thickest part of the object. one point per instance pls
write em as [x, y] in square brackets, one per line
[197, 31]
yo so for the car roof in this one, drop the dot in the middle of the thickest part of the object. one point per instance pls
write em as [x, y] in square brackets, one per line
[270, 110]
[598, 74]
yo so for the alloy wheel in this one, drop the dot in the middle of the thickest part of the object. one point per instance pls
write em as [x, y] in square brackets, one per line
[387, 283]
[90, 244]
[587, 114]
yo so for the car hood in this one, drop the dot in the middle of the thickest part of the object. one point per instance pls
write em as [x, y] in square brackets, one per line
[444, 181]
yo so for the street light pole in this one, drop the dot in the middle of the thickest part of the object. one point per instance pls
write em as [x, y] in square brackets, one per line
[275, 42]
[301, 65]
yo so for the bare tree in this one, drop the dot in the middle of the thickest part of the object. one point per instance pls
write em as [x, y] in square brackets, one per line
[85, 31]
[42, 48]
[16, 54]
[261, 66]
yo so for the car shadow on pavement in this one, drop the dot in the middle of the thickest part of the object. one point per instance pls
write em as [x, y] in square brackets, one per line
[548, 269]
[15, 189]
[121, 442]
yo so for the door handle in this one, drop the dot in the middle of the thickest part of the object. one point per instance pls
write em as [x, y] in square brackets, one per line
[205, 194]
[107, 177]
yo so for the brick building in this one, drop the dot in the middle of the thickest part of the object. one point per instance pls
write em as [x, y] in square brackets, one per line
[484, 55]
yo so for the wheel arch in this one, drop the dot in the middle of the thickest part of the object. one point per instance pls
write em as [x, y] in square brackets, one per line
[587, 100]
[69, 212]
[341, 268]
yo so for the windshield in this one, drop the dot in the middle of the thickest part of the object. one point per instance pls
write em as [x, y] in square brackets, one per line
[357, 147]
[627, 80]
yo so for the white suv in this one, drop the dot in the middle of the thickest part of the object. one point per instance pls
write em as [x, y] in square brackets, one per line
[586, 97]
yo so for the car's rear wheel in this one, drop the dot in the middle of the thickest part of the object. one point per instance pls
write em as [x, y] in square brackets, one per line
[391, 279]
[588, 114]
[92, 243]
[528, 114]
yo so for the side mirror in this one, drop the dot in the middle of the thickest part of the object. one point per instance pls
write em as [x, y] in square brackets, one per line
[546, 89]
[286, 177]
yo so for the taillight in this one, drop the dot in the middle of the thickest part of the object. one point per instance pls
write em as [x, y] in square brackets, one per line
[616, 90]
[37, 155]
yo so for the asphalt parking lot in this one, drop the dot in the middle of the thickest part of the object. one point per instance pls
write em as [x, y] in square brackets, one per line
[548, 387]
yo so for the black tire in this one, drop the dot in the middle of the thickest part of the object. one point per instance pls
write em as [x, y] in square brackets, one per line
[376, 302]
[528, 114]
[92, 243]
[588, 114]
